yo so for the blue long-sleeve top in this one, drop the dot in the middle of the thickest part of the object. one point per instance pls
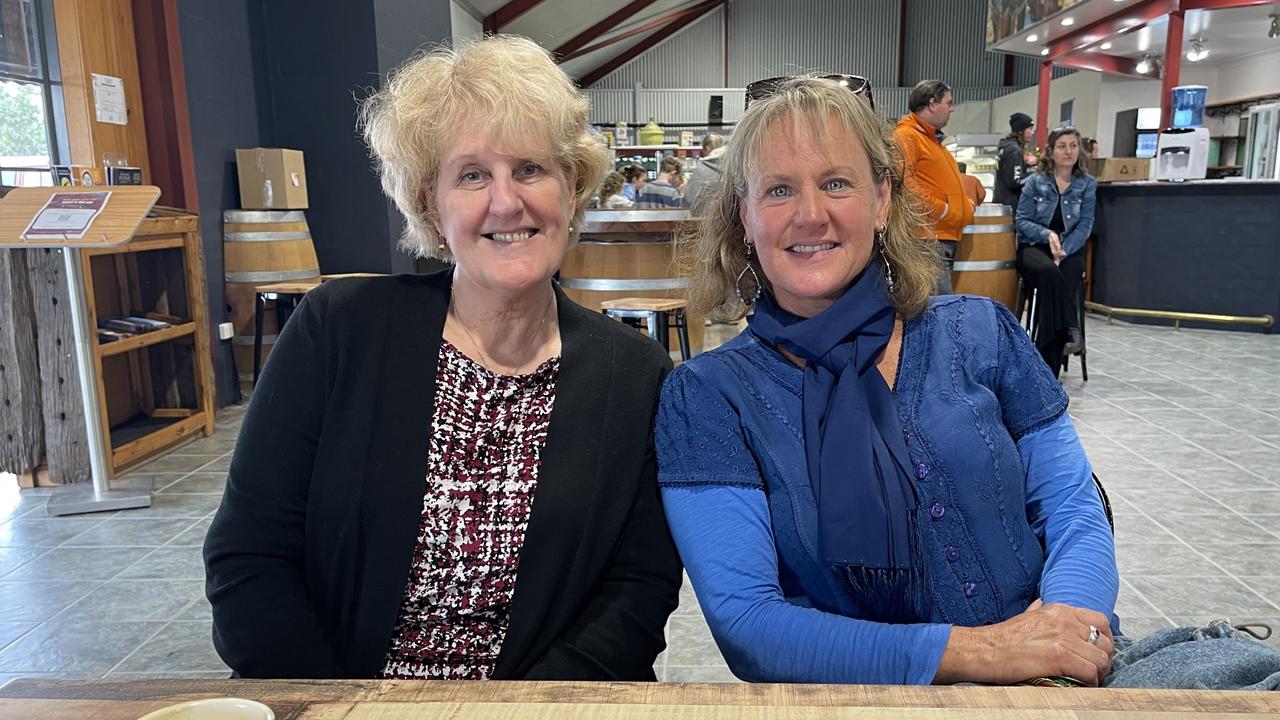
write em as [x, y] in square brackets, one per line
[992, 445]
[1040, 198]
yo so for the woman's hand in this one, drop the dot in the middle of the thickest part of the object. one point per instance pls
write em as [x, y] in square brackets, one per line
[1055, 247]
[1044, 640]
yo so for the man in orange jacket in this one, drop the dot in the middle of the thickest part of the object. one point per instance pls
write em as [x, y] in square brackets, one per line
[930, 171]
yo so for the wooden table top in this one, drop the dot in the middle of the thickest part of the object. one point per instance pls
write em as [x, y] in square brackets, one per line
[402, 700]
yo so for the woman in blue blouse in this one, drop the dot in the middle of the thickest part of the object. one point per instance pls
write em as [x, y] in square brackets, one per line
[1054, 218]
[868, 485]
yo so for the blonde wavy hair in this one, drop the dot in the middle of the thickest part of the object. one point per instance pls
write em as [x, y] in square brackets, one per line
[713, 250]
[507, 86]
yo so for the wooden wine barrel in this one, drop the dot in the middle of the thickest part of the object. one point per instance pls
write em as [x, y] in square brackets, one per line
[260, 247]
[986, 256]
[629, 253]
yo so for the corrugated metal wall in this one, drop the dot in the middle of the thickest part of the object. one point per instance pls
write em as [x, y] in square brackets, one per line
[768, 38]
[946, 39]
[691, 58]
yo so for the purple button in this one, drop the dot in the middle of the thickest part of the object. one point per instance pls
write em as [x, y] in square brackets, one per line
[922, 471]
[970, 589]
[952, 554]
[937, 511]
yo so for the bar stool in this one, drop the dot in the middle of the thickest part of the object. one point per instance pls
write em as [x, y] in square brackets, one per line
[1027, 316]
[659, 316]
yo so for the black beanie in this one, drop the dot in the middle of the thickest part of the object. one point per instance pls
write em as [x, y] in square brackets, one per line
[1020, 121]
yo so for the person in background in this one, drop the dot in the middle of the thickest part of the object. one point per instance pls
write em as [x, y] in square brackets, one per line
[1014, 163]
[869, 485]
[635, 177]
[663, 193]
[930, 170]
[453, 476]
[1088, 148]
[1054, 218]
[972, 185]
[707, 171]
[611, 197]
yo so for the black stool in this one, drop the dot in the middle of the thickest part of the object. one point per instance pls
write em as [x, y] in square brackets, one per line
[658, 316]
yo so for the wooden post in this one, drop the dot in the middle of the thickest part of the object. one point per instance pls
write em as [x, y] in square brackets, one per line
[66, 442]
[21, 424]
[1172, 67]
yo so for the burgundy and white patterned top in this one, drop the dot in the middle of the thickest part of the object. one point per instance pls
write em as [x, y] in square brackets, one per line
[487, 435]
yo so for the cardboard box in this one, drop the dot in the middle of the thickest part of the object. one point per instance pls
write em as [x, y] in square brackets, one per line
[1120, 169]
[271, 179]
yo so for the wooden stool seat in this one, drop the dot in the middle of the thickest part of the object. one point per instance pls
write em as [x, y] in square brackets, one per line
[640, 303]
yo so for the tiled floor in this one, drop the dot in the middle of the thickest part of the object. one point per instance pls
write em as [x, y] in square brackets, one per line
[1183, 427]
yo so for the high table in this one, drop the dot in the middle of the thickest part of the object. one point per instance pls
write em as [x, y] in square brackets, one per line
[402, 700]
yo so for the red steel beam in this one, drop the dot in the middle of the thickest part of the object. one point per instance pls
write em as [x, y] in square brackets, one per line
[504, 15]
[1220, 4]
[1102, 62]
[669, 19]
[676, 22]
[1128, 20]
[1042, 104]
[1172, 67]
[594, 32]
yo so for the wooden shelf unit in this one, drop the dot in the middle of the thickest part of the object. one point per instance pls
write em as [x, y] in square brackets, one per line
[155, 389]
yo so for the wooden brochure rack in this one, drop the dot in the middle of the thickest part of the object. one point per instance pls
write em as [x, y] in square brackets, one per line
[143, 393]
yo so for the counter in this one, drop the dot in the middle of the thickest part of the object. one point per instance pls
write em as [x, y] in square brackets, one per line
[629, 253]
[1206, 246]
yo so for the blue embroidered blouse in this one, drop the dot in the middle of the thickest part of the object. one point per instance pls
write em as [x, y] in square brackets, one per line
[1037, 203]
[1007, 507]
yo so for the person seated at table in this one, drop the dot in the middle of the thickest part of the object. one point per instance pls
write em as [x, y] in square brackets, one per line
[869, 485]
[664, 192]
[453, 476]
[611, 197]
[1054, 219]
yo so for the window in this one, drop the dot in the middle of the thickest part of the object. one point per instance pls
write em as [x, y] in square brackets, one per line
[32, 129]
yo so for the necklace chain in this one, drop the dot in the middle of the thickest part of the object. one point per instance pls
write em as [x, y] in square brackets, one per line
[485, 359]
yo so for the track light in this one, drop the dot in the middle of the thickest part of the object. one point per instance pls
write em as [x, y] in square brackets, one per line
[1144, 65]
[1198, 51]
[1274, 32]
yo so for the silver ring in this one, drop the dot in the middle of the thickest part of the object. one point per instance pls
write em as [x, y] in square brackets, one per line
[1093, 635]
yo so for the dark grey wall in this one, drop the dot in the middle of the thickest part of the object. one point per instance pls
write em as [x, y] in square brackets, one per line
[286, 73]
[226, 87]
[403, 27]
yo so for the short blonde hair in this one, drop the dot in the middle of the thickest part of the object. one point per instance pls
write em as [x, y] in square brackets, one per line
[714, 249]
[506, 85]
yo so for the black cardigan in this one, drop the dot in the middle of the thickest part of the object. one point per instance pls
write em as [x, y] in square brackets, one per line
[308, 557]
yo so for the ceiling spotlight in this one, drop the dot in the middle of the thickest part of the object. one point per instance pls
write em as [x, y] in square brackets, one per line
[1144, 65]
[1198, 51]
[1105, 46]
[1068, 22]
[1274, 32]
[1032, 38]
[1044, 51]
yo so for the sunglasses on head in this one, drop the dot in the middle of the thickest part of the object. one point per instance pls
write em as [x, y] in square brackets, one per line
[761, 89]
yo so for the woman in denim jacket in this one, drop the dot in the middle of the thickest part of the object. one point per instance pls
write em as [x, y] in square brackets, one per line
[1054, 218]
[869, 485]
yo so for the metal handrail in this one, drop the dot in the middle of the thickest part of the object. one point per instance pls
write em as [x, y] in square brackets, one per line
[1179, 317]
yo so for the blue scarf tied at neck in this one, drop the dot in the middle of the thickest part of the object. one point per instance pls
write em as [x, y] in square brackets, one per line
[855, 450]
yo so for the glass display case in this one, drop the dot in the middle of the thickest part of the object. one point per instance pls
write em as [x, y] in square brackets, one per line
[980, 153]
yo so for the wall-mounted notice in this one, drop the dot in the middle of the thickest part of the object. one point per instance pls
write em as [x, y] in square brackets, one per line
[108, 100]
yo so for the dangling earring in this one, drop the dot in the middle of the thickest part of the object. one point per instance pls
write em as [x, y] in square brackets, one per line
[755, 279]
[889, 280]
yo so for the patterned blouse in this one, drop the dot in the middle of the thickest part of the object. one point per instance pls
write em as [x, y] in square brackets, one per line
[487, 436]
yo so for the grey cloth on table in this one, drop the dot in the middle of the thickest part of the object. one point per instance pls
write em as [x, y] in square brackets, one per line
[1214, 657]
